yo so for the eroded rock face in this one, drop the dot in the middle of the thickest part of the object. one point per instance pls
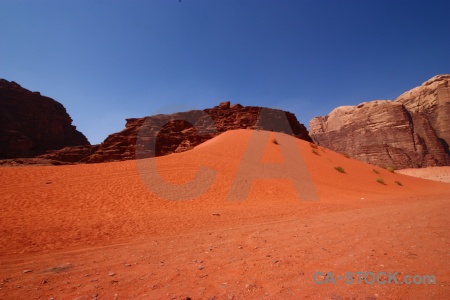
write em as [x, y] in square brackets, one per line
[31, 124]
[432, 100]
[163, 134]
[409, 132]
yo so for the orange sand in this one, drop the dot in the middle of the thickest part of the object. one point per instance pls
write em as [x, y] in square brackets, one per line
[72, 225]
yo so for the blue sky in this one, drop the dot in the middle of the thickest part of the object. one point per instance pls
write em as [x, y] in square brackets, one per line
[110, 60]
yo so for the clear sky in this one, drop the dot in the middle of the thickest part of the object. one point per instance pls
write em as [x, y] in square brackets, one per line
[110, 60]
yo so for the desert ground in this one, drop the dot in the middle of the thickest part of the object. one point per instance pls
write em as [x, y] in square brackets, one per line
[96, 231]
[432, 173]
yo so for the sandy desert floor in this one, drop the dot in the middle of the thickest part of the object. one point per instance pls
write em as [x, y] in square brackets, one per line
[432, 173]
[98, 232]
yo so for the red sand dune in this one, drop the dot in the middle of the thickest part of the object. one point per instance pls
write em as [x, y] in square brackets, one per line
[96, 231]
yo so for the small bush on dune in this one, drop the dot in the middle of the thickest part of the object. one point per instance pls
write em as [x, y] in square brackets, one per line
[340, 169]
[315, 151]
[346, 155]
[275, 141]
[380, 180]
[313, 145]
[390, 169]
[376, 171]
[399, 183]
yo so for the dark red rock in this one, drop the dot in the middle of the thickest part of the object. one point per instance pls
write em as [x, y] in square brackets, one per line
[70, 154]
[225, 105]
[31, 124]
[164, 134]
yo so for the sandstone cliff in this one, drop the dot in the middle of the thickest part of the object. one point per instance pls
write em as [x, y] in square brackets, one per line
[412, 131]
[31, 124]
[432, 100]
[164, 134]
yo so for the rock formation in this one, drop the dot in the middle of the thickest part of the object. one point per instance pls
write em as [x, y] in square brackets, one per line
[412, 131]
[31, 124]
[163, 134]
[432, 100]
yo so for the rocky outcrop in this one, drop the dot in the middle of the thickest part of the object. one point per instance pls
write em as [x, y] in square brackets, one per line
[31, 124]
[432, 101]
[163, 134]
[410, 132]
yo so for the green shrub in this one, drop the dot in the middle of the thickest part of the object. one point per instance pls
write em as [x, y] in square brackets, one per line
[380, 180]
[340, 169]
[390, 169]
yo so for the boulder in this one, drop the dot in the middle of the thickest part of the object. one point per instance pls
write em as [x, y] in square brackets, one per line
[225, 105]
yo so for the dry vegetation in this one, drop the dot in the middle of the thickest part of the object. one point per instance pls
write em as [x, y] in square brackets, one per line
[340, 169]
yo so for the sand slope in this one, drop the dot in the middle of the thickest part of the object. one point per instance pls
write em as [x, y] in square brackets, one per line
[71, 225]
